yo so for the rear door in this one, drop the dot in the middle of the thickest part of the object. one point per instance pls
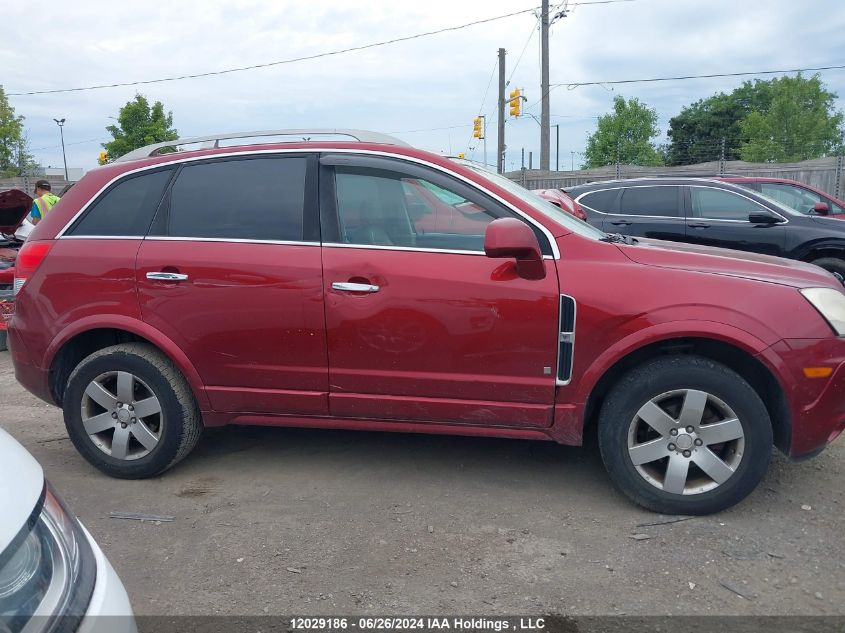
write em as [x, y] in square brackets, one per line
[718, 217]
[422, 326]
[654, 211]
[231, 272]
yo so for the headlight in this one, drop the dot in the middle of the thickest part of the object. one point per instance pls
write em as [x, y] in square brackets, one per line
[831, 305]
[47, 573]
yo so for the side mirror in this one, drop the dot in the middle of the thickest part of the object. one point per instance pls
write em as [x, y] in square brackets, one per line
[821, 208]
[508, 237]
[763, 218]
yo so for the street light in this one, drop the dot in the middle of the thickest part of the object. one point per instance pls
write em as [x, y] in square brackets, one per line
[61, 124]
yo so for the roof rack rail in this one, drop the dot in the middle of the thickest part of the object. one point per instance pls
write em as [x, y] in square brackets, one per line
[213, 140]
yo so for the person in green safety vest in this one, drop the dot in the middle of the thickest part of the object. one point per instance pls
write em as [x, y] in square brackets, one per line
[43, 202]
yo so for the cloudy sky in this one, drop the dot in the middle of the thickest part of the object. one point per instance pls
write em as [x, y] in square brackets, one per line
[426, 91]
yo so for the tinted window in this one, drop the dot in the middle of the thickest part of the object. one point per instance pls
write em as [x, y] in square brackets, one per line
[718, 204]
[661, 201]
[385, 208]
[801, 200]
[603, 201]
[253, 199]
[127, 208]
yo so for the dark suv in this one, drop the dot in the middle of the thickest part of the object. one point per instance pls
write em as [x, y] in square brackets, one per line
[712, 213]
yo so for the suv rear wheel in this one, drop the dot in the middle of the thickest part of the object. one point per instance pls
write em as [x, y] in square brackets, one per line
[130, 412]
[685, 435]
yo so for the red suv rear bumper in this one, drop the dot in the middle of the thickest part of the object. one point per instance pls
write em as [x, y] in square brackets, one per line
[816, 405]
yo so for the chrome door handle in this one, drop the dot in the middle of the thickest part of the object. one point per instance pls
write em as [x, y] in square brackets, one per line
[167, 276]
[353, 287]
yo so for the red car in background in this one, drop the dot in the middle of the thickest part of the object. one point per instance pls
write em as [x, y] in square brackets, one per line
[562, 201]
[800, 196]
[14, 207]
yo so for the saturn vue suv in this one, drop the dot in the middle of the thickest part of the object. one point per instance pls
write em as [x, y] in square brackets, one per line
[287, 282]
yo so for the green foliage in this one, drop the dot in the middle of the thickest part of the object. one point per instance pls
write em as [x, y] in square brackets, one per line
[139, 125]
[624, 136]
[783, 119]
[800, 123]
[13, 146]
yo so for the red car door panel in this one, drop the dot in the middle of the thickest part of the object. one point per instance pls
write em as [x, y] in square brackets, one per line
[245, 301]
[249, 316]
[430, 334]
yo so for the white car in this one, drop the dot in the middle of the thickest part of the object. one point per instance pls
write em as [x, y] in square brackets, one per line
[53, 576]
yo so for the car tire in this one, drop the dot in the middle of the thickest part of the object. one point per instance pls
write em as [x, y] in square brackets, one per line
[674, 470]
[130, 412]
[3, 341]
[831, 264]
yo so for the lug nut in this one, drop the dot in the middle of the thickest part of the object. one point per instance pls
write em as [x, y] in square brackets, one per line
[114, 414]
[687, 453]
[690, 429]
[123, 425]
[131, 408]
[671, 447]
[698, 441]
[673, 432]
[119, 404]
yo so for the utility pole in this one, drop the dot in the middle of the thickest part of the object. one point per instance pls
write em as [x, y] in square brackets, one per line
[500, 147]
[545, 122]
[484, 136]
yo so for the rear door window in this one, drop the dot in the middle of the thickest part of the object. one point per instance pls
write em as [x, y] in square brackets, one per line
[260, 199]
[126, 209]
[663, 201]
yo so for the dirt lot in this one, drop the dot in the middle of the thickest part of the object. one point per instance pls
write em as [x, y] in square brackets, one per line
[327, 522]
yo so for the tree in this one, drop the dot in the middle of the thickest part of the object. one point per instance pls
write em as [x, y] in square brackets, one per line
[139, 125]
[12, 139]
[800, 123]
[624, 136]
[696, 134]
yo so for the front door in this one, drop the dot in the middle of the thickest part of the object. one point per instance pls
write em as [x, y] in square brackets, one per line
[231, 272]
[422, 326]
[718, 217]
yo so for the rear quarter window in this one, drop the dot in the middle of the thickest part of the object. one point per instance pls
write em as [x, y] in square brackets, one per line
[603, 201]
[126, 208]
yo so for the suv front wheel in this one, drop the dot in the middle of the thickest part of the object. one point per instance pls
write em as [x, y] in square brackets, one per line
[130, 412]
[685, 435]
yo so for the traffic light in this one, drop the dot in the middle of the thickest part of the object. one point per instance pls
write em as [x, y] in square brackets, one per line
[103, 158]
[461, 155]
[516, 102]
[478, 127]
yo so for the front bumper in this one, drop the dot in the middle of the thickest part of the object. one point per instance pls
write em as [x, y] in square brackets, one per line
[816, 405]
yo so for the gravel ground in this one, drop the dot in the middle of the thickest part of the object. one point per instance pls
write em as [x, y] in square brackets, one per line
[282, 521]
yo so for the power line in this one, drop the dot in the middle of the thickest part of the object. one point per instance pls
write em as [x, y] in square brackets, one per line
[284, 61]
[743, 74]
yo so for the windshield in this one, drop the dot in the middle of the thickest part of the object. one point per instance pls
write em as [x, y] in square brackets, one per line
[549, 210]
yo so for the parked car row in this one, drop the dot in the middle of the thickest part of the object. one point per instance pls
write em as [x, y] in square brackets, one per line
[375, 286]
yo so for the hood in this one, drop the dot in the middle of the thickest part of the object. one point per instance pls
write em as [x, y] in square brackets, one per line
[723, 261]
[21, 484]
[14, 207]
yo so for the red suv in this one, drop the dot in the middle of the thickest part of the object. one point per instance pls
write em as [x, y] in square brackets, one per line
[290, 284]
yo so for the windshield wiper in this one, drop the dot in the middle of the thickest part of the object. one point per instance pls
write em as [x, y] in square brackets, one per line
[615, 238]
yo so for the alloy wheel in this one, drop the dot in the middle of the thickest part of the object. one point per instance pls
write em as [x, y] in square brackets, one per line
[686, 442]
[121, 415]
